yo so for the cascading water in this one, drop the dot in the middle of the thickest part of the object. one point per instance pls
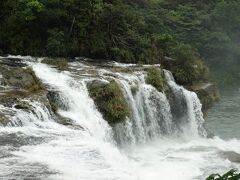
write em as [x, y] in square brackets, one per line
[151, 115]
[190, 105]
[151, 144]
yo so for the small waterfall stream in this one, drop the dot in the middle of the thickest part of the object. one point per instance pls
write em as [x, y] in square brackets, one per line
[151, 143]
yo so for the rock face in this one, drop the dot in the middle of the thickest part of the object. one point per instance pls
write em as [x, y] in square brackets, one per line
[178, 105]
[18, 83]
[60, 63]
[207, 93]
[194, 76]
[12, 62]
[19, 86]
[20, 78]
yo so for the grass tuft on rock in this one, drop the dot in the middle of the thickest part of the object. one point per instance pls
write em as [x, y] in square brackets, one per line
[60, 63]
[156, 78]
[109, 99]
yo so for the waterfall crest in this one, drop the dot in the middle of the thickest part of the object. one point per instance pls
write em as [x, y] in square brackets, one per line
[152, 113]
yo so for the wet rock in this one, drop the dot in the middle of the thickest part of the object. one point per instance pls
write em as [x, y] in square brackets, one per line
[12, 62]
[4, 120]
[231, 156]
[178, 105]
[57, 101]
[68, 122]
[60, 63]
[20, 78]
[15, 100]
[20, 100]
[22, 105]
[207, 93]
[8, 101]
[168, 62]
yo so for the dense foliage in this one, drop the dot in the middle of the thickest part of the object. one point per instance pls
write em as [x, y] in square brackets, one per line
[124, 30]
[230, 175]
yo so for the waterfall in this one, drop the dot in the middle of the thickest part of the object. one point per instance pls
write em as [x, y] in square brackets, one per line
[186, 107]
[81, 107]
[152, 113]
[89, 148]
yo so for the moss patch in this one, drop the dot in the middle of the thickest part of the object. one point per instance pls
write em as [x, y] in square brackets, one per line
[60, 63]
[156, 78]
[110, 101]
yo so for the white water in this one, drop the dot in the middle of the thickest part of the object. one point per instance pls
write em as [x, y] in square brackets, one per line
[151, 145]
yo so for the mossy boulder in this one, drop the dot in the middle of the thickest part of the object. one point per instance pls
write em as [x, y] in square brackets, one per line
[109, 99]
[156, 78]
[60, 63]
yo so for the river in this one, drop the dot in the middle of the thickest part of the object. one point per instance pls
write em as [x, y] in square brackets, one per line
[224, 118]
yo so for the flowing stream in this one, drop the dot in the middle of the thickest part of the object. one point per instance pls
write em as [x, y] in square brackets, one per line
[163, 137]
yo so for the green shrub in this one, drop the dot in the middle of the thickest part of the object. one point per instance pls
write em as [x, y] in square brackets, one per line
[60, 63]
[186, 73]
[188, 66]
[155, 77]
[110, 101]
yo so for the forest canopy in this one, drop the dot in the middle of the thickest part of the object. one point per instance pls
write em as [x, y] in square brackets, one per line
[139, 31]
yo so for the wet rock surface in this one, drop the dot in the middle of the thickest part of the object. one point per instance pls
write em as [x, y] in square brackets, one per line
[18, 87]
[12, 62]
[207, 93]
[57, 101]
